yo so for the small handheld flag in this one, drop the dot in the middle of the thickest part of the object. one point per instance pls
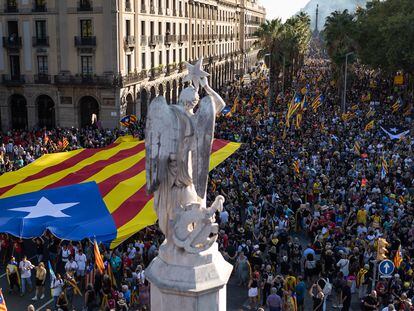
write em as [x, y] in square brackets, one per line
[357, 148]
[398, 258]
[384, 168]
[296, 167]
[128, 120]
[369, 126]
[52, 273]
[98, 258]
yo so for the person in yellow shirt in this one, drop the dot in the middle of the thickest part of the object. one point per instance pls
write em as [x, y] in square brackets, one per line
[362, 216]
[376, 220]
[13, 277]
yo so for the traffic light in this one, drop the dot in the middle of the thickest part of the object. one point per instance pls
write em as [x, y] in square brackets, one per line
[382, 251]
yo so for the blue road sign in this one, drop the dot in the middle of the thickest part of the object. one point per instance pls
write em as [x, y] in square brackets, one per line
[386, 267]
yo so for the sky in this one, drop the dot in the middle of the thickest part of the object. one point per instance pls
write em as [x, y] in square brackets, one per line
[282, 8]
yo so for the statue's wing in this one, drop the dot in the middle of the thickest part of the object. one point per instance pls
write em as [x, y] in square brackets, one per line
[161, 140]
[204, 125]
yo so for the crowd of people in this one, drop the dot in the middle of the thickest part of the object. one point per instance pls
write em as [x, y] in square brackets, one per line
[307, 201]
[304, 207]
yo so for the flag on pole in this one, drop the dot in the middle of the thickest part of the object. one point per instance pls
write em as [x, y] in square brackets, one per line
[369, 126]
[111, 275]
[52, 273]
[235, 105]
[398, 258]
[65, 143]
[98, 258]
[296, 167]
[395, 107]
[3, 306]
[357, 148]
[298, 120]
[407, 110]
[384, 168]
[317, 102]
[348, 116]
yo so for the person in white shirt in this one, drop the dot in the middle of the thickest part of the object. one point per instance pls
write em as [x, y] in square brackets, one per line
[131, 251]
[56, 285]
[343, 265]
[389, 308]
[140, 275]
[80, 259]
[25, 267]
[65, 252]
[71, 265]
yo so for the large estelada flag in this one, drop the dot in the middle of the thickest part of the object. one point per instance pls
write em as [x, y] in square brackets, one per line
[86, 193]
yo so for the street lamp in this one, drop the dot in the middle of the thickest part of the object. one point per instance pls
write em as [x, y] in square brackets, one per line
[346, 75]
[268, 54]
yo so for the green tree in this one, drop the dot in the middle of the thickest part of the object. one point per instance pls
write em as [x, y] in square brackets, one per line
[282, 46]
[385, 35]
[339, 38]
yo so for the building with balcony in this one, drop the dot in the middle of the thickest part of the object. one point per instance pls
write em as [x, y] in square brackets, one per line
[62, 61]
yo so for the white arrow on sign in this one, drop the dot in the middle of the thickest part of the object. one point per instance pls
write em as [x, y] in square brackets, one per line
[387, 267]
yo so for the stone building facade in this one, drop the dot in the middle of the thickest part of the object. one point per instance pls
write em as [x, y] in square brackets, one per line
[63, 60]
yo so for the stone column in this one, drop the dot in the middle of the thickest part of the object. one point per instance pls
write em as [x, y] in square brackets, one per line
[195, 282]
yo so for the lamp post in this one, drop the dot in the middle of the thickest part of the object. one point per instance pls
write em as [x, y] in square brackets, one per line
[346, 76]
[268, 100]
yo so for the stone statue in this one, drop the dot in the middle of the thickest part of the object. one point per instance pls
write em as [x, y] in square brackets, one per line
[178, 145]
[189, 273]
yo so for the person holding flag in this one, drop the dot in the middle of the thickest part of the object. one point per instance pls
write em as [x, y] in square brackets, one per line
[56, 286]
[13, 277]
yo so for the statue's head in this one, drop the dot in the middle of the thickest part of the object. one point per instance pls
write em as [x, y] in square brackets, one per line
[189, 98]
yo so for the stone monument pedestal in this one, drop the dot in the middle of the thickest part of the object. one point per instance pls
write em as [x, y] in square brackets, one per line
[188, 282]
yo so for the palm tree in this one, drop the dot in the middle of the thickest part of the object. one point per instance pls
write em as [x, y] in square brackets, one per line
[338, 32]
[301, 35]
[283, 45]
[270, 35]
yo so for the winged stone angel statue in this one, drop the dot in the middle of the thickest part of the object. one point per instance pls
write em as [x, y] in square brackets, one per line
[178, 144]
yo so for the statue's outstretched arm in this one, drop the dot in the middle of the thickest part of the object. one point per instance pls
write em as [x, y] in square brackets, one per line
[218, 101]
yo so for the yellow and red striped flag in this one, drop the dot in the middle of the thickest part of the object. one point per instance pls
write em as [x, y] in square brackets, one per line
[317, 102]
[296, 167]
[65, 143]
[369, 126]
[98, 258]
[395, 107]
[398, 258]
[3, 306]
[117, 172]
[235, 105]
[407, 110]
[357, 148]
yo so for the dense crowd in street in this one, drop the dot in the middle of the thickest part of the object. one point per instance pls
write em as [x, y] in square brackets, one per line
[335, 198]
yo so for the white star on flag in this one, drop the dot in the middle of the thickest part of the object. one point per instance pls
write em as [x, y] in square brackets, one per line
[195, 73]
[45, 208]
